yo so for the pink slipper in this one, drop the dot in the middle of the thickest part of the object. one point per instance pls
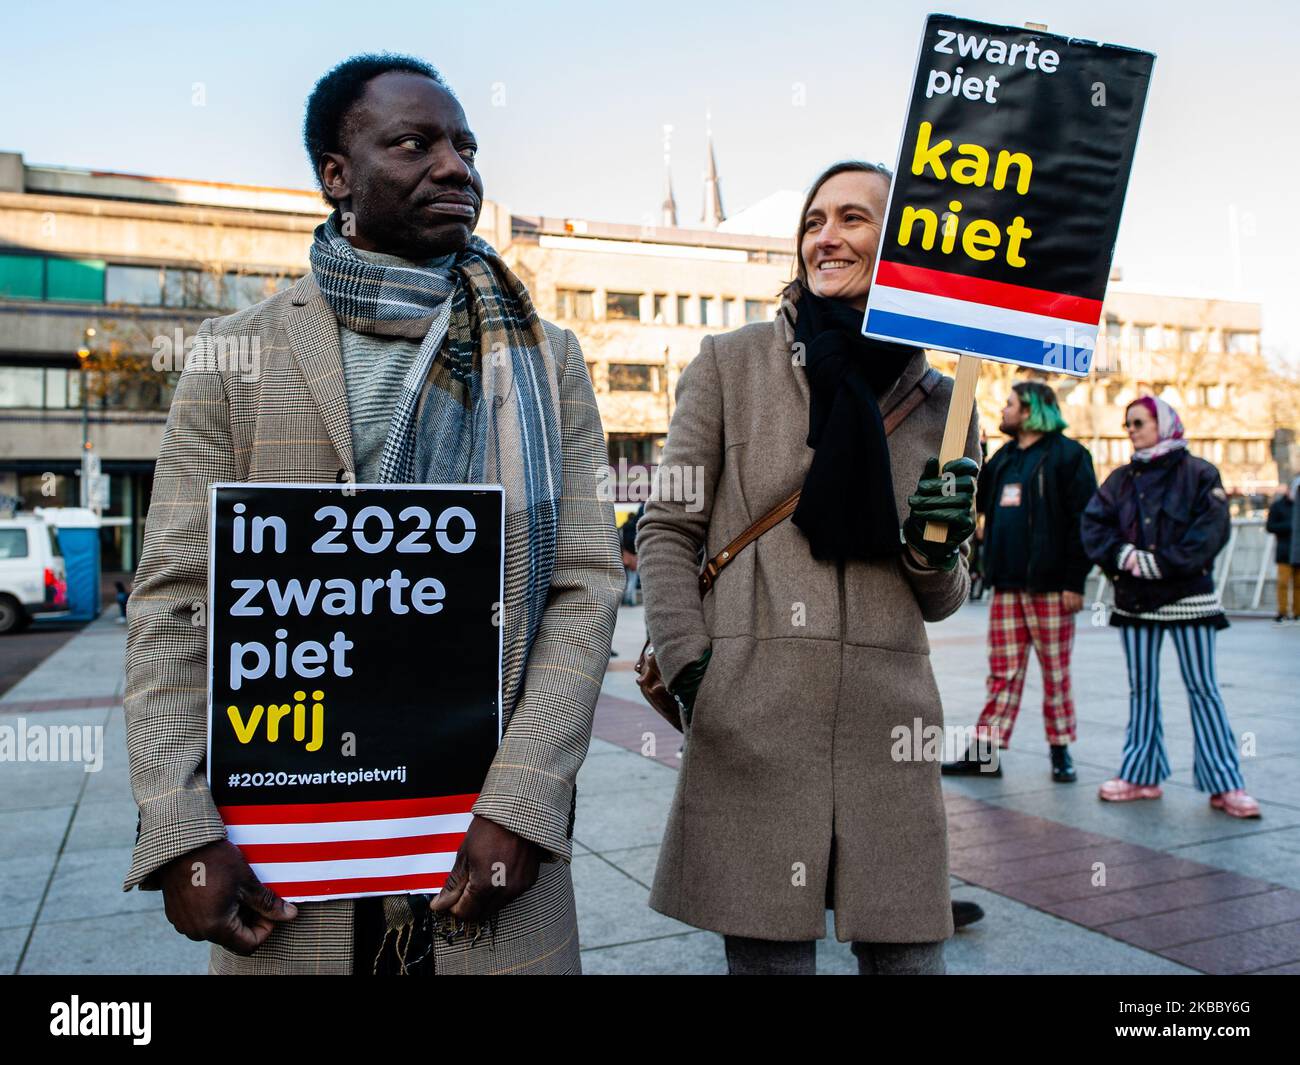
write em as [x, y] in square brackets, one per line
[1235, 803]
[1116, 790]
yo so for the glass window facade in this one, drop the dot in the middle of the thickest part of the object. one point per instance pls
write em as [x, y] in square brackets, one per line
[636, 449]
[623, 306]
[22, 386]
[75, 280]
[631, 377]
[246, 290]
[22, 277]
[574, 303]
[34, 277]
[58, 388]
[139, 286]
[1241, 343]
[192, 288]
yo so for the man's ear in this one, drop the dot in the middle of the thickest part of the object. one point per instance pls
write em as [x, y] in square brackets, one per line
[334, 176]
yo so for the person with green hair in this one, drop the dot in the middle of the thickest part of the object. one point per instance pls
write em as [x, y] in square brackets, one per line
[1031, 495]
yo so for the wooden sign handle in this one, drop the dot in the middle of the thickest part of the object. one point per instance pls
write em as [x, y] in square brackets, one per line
[956, 428]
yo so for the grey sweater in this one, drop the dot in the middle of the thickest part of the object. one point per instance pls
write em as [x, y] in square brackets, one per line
[373, 370]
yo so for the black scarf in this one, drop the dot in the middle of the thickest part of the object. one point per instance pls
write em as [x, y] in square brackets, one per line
[847, 508]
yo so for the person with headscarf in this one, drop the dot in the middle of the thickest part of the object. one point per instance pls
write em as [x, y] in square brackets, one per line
[1155, 527]
[809, 778]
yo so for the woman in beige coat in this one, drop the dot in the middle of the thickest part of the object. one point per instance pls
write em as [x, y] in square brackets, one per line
[804, 674]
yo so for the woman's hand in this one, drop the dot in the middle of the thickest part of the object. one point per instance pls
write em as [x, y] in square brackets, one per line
[1141, 564]
[687, 685]
[946, 497]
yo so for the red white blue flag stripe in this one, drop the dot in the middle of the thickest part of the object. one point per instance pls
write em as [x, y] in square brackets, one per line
[351, 849]
[992, 319]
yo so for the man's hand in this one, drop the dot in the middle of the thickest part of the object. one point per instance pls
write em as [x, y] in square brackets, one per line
[211, 893]
[493, 868]
[1072, 602]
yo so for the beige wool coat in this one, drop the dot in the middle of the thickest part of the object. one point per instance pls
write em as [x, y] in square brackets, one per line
[289, 422]
[788, 799]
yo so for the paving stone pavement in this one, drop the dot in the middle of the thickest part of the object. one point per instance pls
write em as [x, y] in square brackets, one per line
[1188, 890]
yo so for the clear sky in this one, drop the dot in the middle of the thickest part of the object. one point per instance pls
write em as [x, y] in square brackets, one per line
[569, 101]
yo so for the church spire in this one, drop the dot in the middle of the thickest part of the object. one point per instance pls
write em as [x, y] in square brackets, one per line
[713, 213]
[668, 210]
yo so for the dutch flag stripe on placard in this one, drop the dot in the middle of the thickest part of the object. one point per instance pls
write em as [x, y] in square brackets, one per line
[993, 293]
[313, 850]
[1012, 323]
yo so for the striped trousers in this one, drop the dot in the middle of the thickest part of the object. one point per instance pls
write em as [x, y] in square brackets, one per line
[1216, 766]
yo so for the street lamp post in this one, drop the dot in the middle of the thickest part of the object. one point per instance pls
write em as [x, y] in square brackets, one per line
[83, 357]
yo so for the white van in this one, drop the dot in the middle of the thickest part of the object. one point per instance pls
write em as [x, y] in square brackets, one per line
[32, 576]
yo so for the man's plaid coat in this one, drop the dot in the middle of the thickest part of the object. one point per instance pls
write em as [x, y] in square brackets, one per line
[288, 421]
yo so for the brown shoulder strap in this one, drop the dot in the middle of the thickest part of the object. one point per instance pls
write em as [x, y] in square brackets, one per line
[897, 414]
[916, 395]
[774, 516]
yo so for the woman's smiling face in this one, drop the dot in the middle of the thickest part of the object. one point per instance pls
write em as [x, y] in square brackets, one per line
[841, 235]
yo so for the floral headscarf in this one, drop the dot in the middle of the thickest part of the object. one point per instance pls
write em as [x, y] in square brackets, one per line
[1169, 428]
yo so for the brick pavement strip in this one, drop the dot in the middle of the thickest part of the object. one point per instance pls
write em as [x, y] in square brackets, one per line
[626, 724]
[1149, 899]
[32, 706]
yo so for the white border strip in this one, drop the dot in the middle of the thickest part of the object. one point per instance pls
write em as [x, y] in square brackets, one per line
[951, 311]
[347, 831]
[350, 868]
[332, 486]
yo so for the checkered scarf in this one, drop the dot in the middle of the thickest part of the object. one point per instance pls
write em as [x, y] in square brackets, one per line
[480, 407]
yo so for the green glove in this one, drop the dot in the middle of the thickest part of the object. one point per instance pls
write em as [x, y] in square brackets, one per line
[947, 498]
[687, 685]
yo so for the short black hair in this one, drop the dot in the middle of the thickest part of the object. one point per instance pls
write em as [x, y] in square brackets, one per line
[338, 90]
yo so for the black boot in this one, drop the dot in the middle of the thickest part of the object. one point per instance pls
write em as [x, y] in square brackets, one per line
[1062, 765]
[964, 913]
[971, 765]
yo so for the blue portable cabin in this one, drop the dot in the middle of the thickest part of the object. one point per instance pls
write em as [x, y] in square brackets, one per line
[78, 533]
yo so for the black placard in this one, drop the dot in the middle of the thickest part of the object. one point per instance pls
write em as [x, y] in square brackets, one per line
[1006, 202]
[418, 689]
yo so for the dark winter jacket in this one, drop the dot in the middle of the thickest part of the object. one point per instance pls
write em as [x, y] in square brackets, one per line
[1173, 506]
[1056, 492]
[1281, 516]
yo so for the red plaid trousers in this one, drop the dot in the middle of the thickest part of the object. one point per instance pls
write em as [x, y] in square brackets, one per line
[1016, 620]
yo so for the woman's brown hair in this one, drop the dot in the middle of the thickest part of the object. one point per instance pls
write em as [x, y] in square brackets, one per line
[846, 166]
